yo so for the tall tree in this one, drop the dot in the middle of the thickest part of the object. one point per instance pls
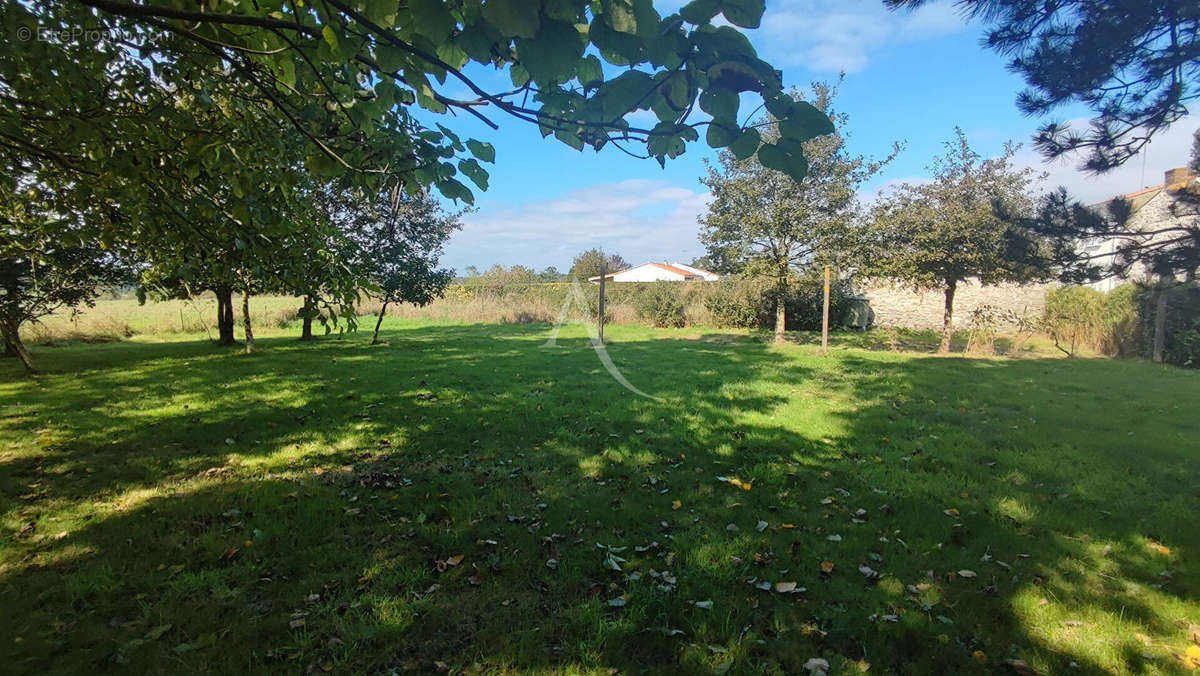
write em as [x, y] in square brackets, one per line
[967, 222]
[589, 264]
[1134, 63]
[762, 222]
[47, 262]
[401, 248]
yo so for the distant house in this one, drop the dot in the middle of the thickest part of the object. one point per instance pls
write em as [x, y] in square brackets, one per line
[659, 272]
[1152, 212]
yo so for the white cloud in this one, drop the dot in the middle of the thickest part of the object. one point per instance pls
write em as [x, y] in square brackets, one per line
[639, 219]
[1167, 150]
[834, 35]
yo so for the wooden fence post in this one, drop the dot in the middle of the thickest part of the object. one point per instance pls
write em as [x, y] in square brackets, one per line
[825, 316]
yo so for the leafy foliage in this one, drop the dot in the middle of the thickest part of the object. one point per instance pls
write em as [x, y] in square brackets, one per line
[751, 303]
[1136, 65]
[660, 304]
[46, 261]
[591, 262]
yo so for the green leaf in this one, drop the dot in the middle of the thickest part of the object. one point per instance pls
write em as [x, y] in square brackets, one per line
[734, 76]
[619, 49]
[744, 13]
[805, 122]
[481, 150]
[720, 103]
[430, 18]
[786, 156]
[700, 12]
[746, 144]
[476, 173]
[516, 18]
[619, 15]
[589, 71]
[676, 91]
[331, 37]
[550, 58]
[452, 189]
[621, 94]
[570, 138]
[287, 70]
[720, 135]
[381, 13]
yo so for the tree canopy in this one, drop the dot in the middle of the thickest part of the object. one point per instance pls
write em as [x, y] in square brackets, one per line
[967, 222]
[763, 222]
[1134, 63]
[591, 262]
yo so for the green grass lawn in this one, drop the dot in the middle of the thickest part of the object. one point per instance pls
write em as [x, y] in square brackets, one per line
[461, 497]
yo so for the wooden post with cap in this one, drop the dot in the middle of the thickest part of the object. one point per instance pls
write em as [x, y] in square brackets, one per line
[600, 317]
[825, 316]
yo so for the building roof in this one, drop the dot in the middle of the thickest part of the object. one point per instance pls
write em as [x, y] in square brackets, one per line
[662, 266]
[1137, 199]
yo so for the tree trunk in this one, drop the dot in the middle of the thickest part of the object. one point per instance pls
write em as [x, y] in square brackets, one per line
[246, 320]
[306, 317]
[1160, 321]
[382, 311]
[780, 318]
[948, 318]
[225, 315]
[12, 342]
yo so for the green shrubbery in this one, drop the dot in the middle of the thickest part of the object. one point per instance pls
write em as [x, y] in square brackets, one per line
[751, 304]
[660, 304]
[1182, 344]
[1120, 323]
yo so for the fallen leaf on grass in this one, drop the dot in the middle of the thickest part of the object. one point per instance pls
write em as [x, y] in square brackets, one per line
[704, 605]
[762, 525]
[951, 512]
[980, 656]
[618, 602]
[816, 665]
[676, 504]
[1020, 667]
[827, 567]
[788, 588]
[966, 573]
[1165, 551]
[734, 481]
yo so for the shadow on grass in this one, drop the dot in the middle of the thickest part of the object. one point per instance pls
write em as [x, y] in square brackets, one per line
[185, 508]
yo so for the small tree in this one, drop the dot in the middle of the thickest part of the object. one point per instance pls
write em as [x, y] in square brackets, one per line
[763, 222]
[401, 251]
[965, 223]
[591, 262]
[47, 263]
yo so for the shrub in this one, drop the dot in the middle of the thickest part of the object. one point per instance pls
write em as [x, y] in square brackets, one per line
[1182, 344]
[1074, 317]
[751, 303]
[659, 303]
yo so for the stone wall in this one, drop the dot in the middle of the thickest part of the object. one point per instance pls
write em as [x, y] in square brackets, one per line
[899, 305]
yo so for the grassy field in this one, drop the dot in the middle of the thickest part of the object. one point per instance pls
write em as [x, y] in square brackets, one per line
[461, 497]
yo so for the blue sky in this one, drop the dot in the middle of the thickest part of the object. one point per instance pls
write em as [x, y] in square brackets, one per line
[910, 76]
